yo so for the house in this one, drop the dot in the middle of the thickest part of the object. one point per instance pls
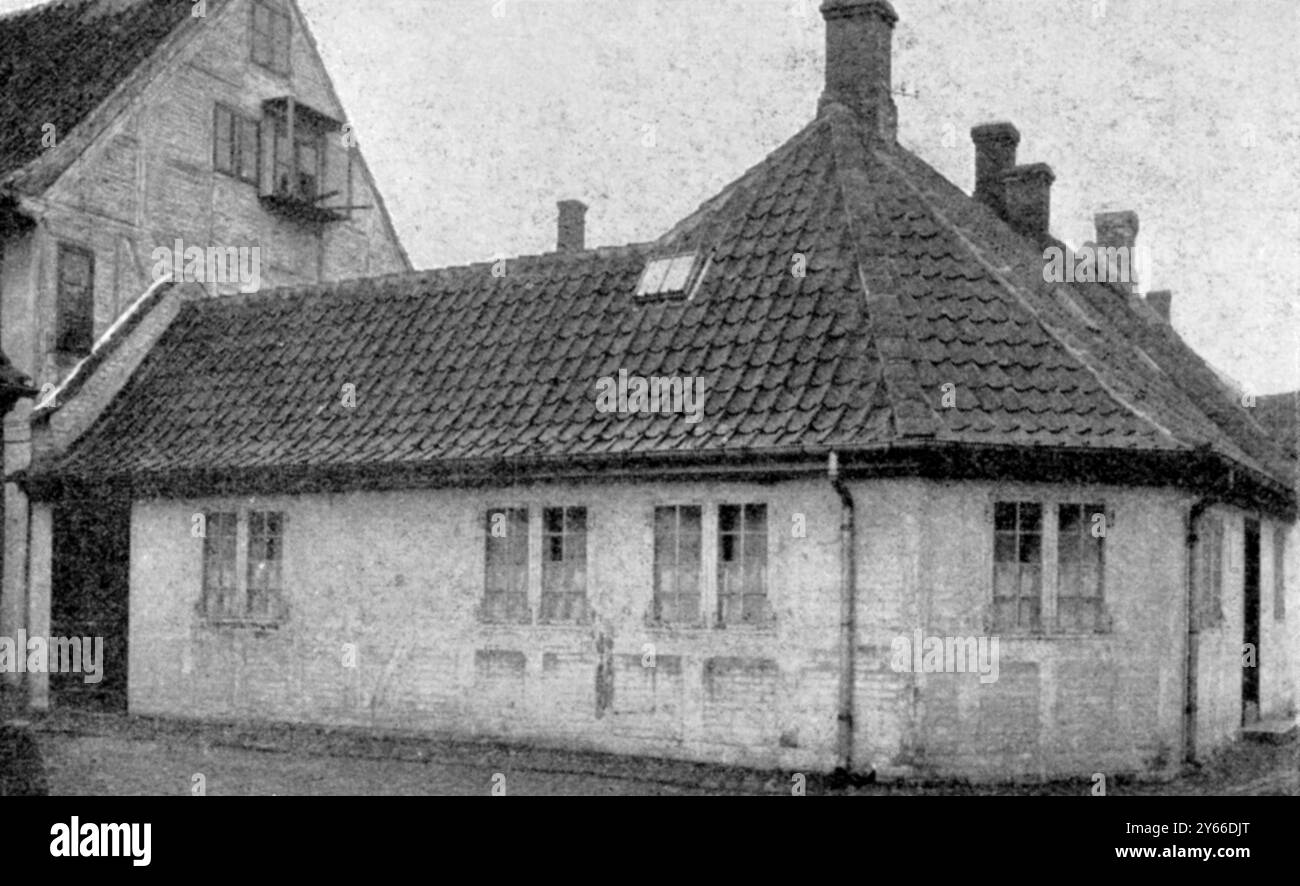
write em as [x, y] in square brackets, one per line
[141, 139]
[825, 477]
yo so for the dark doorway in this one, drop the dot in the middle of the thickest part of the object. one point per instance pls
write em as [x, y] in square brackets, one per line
[1250, 636]
[91, 582]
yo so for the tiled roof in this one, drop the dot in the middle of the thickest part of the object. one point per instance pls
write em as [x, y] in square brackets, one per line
[1280, 415]
[61, 60]
[910, 286]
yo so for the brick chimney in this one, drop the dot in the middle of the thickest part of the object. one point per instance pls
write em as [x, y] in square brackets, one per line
[1029, 198]
[572, 234]
[1161, 301]
[995, 156]
[1118, 230]
[859, 49]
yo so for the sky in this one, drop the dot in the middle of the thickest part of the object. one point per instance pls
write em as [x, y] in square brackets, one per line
[476, 116]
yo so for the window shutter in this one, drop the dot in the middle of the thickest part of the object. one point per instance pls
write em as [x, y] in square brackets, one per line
[337, 186]
[266, 175]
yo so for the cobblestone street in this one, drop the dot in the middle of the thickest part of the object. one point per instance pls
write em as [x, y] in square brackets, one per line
[114, 755]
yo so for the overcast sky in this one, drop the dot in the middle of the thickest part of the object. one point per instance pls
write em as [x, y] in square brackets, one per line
[477, 115]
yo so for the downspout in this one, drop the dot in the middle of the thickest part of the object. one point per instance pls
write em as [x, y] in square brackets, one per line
[1192, 646]
[848, 620]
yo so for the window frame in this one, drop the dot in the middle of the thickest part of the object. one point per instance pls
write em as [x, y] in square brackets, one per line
[766, 615]
[699, 262]
[655, 615]
[1087, 514]
[241, 614]
[291, 140]
[62, 334]
[576, 603]
[1089, 501]
[1017, 532]
[512, 611]
[276, 13]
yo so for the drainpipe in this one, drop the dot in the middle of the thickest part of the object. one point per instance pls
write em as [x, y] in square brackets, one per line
[1192, 645]
[848, 621]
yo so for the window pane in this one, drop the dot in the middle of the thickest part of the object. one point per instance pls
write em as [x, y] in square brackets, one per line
[1031, 548]
[553, 520]
[308, 161]
[689, 541]
[1031, 517]
[729, 518]
[1070, 578]
[575, 519]
[1070, 519]
[678, 273]
[1004, 516]
[653, 279]
[1031, 581]
[223, 136]
[1004, 547]
[564, 570]
[755, 561]
[249, 147]
[755, 518]
[219, 586]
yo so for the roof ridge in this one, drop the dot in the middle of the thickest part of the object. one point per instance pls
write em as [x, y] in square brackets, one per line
[880, 306]
[723, 197]
[348, 285]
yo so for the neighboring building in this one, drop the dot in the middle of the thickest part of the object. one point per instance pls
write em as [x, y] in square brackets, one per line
[417, 509]
[1280, 414]
[129, 126]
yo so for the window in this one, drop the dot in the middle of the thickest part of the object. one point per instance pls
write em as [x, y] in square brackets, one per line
[75, 315]
[220, 577]
[667, 276]
[1080, 546]
[236, 141]
[742, 565]
[259, 598]
[297, 163]
[564, 565]
[1209, 572]
[265, 543]
[678, 531]
[1279, 572]
[505, 596]
[1017, 566]
[271, 32]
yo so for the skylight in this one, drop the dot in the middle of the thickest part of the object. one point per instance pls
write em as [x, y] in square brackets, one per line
[667, 276]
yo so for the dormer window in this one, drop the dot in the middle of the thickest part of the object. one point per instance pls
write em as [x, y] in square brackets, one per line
[308, 166]
[271, 35]
[671, 276]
